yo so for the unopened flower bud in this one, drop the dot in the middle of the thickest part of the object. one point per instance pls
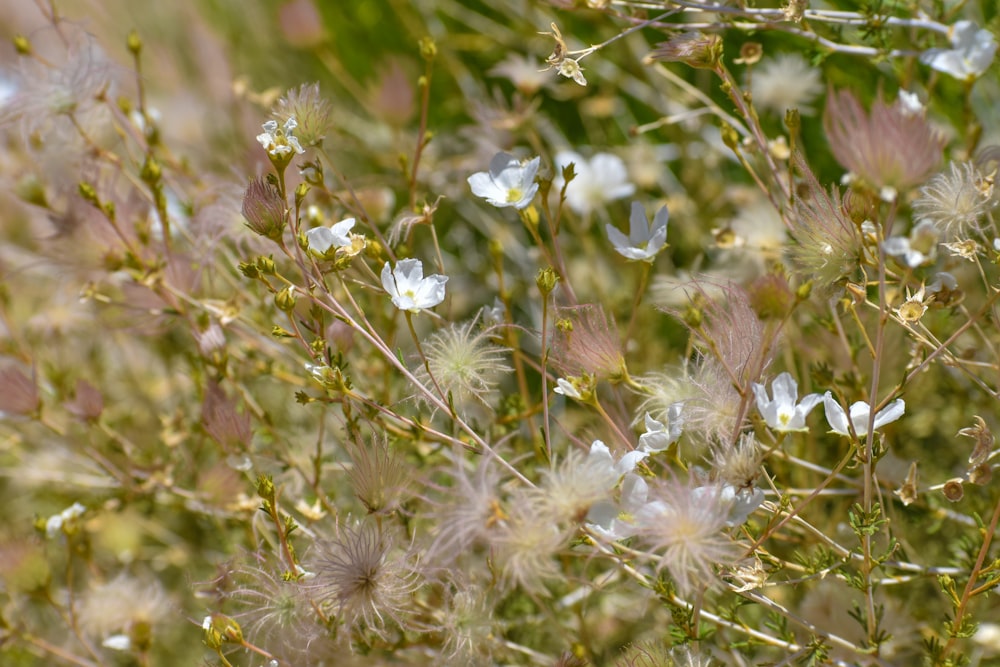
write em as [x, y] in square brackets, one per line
[694, 49]
[264, 209]
[428, 48]
[546, 280]
[22, 45]
[133, 43]
[285, 299]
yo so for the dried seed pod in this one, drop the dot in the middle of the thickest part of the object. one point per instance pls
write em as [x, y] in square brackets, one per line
[981, 474]
[984, 441]
[953, 490]
[907, 493]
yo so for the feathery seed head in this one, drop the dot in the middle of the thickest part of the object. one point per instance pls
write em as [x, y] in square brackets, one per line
[686, 531]
[956, 200]
[363, 578]
[310, 110]
[465, 363]
[887, 149]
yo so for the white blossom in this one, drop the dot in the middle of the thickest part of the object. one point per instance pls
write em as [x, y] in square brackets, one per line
[408, 287]
[644, 241]
[321, 239]
[599, 180]
[917, 249]
[781, 412]
[971, 53]
[509, 182]
[659, 436]
[54, 524]
[860, 413]
[280, 143]
[567, 389]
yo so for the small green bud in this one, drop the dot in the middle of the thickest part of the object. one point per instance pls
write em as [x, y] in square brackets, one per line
[300, 193]
[88, 193]
[546, 280]
[133, 42]
[803, 291]
[266, 266]
[279, 332]
[249, 270]
[496, 249]
[428, 48]
[22, 45]
[693, 317]
[529, 216]
[730, 137]
[792, 120]
[285, 299]
[151, 171]
[265, 488]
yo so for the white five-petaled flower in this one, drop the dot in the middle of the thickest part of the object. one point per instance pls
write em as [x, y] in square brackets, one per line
[509, 182]
[603, 516]
[408, 287]
[601, 179]
[782, 413]
[917, 249]
[860, 415]
[659, 436]
[280, 143]
[971, 53]
[644, 241]
[321, 239]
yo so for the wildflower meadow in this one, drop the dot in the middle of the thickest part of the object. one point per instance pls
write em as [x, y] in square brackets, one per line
[562, 333]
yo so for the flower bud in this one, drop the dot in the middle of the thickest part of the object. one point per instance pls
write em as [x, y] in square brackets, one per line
[133, 43]
[264, 209]
[692, 48]
[546, 280]
[285, 299]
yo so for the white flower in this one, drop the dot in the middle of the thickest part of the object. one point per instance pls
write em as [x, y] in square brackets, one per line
[782, 413]
[860, 414]
[971, 53]
[784, 82]
[599, 180]
[55, 523]
[910, 103]
[118, 642]
[509, 182]
[409, 289]
[658, 436]
[280, 143]
[571, 69]
[565, 388]
[916, 250]
[600, 456]
[604, 516]
[644, 241]
[321, 239]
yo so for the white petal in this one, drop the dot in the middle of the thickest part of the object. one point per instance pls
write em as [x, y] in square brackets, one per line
[890, 413]
[835, 415]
